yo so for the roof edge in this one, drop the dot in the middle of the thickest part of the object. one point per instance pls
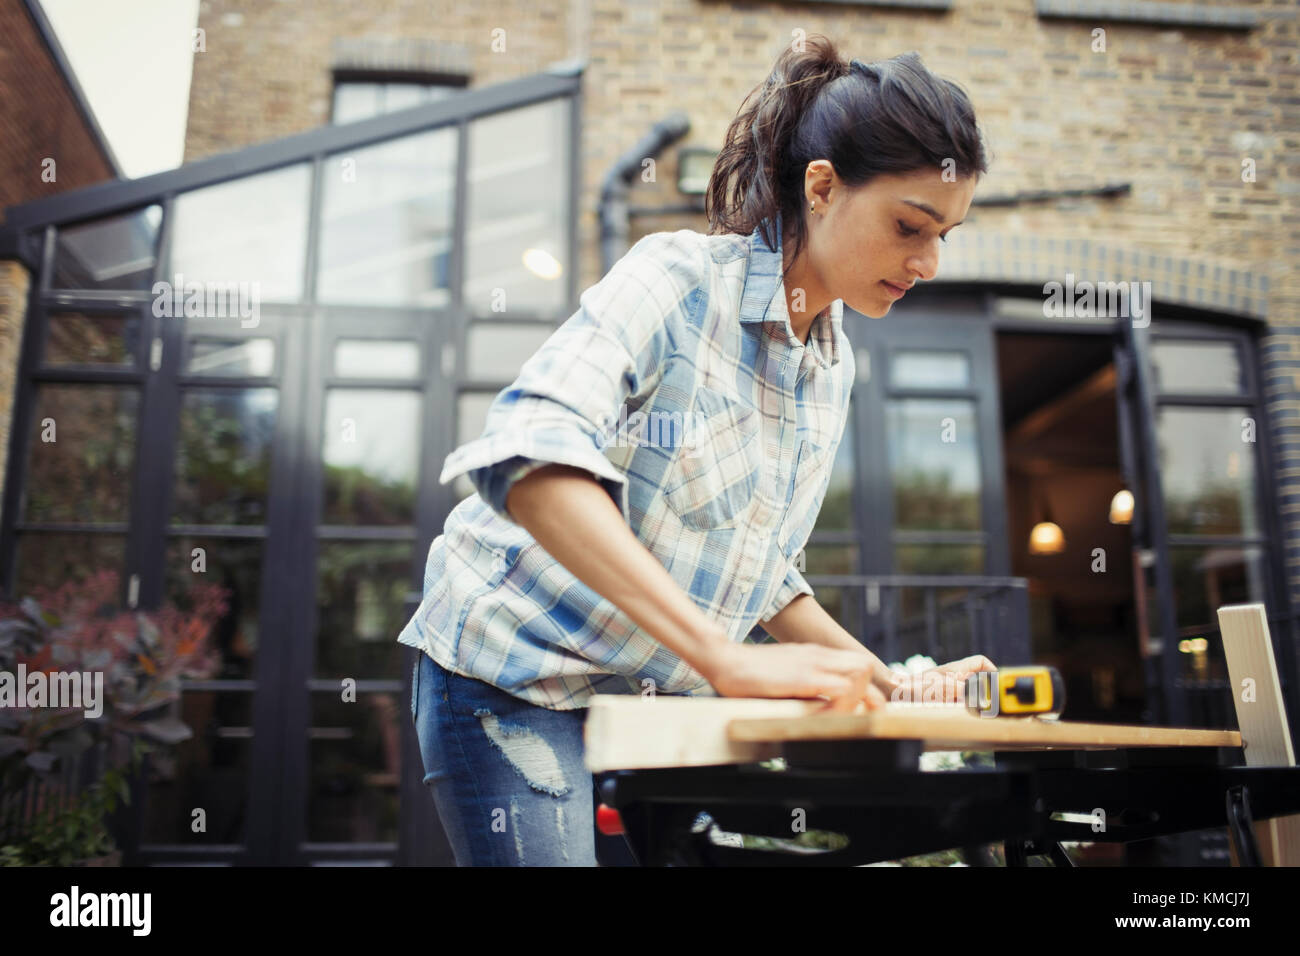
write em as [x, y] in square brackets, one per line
[46, 30]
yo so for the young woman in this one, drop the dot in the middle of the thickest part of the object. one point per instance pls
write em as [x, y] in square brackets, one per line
[646, 483]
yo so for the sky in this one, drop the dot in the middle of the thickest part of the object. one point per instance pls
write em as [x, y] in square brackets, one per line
[132, 59]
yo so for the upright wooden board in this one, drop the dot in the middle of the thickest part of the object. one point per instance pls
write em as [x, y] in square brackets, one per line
[1261, 715]
[624, 732]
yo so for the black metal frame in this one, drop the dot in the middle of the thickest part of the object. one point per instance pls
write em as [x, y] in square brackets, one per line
[303, 333]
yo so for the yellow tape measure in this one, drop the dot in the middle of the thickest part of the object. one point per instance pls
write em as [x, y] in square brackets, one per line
[1016, 691]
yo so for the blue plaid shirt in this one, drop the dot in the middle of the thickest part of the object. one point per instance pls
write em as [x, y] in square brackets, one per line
[679, 386]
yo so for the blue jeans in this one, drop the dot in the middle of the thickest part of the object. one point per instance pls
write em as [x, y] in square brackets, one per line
[508, 777]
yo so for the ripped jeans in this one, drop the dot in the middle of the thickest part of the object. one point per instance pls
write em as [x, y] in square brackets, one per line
[508, 777]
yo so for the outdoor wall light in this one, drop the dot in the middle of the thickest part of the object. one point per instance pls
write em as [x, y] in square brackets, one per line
[1121, 507]
[694, 166]
[541, 263]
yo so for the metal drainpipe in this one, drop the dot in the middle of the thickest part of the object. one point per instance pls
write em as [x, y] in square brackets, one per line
[613, 207]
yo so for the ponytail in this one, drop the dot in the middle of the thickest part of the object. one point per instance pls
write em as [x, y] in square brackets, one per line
[866, 119]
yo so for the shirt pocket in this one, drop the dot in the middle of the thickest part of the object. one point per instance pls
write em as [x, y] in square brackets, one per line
[712, 480]
[811, 475]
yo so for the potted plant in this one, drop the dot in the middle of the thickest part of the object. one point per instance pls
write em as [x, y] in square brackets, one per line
[143, 659]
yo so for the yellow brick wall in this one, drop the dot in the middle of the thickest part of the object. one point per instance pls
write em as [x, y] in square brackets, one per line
[1174, 111]
[14, 283]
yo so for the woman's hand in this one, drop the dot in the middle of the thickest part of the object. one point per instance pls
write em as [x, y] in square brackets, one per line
[943, 684]
[795, 670]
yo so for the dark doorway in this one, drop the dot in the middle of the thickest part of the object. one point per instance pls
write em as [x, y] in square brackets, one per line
[1062, 454]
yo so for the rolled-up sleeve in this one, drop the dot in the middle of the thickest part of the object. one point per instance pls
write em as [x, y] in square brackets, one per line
[789, 589]
[567, 395]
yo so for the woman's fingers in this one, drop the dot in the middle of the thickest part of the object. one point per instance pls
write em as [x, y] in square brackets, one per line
[976, 662]
[846, 681]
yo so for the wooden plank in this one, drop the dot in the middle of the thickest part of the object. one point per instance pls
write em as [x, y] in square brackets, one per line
[625, 732]
[1248, 650]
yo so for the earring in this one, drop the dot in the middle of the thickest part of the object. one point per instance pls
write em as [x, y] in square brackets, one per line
[812, 206]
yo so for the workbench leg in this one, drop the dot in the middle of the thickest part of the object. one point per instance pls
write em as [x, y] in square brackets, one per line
[1058, 855]
[1015, 852]
[1018, 852]
[1241, 828]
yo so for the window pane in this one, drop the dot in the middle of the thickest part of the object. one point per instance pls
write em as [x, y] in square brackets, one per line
[116, 252]
[1206, 579]
[81, 338]
[376, 358]
[1207, 466]
[499, 350]
[361, 605]
[471, 419]
[837, 506]
[82, 453]
[371, 457]
[355, 767]
[231, 357]
[251, 230]
[211, 770]
[1197, 367]
[929, 369]
[197, 566]
[223, 456]
[355, 101]
[48, 561]
[934, 464]
[402, 96]
[829, 559]
[517, 244]
[386, 222]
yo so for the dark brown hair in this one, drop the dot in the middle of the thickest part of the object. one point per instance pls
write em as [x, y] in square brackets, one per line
[893, 116]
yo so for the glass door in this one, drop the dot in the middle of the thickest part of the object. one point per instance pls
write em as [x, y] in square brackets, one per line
[930, 460]
[251, 450]
[1194, 443]
[371, 436]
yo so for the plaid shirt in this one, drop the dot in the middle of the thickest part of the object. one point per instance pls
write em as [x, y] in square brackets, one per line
[679, 385]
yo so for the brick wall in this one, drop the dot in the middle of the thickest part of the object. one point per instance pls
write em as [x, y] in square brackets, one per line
[39, 118]
[1171, 107]
[266, 69]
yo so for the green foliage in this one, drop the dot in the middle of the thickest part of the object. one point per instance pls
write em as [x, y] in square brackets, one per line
[223, 463]
[78, 831]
